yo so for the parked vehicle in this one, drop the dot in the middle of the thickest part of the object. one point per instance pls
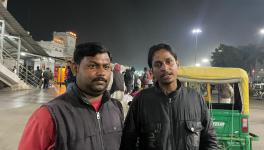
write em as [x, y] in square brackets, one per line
[258, 90]
[226, 92]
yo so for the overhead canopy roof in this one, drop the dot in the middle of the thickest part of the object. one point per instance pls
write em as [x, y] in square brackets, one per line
[14, 28]
[210, 74]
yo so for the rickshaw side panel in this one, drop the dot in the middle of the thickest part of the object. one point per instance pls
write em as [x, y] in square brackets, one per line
[223, 121]
[228, 127]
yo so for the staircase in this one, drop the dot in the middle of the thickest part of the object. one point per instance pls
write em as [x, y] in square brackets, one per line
[22, 79]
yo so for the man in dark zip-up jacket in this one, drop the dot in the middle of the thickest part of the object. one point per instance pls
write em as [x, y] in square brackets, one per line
[167, 116]
[85, 117]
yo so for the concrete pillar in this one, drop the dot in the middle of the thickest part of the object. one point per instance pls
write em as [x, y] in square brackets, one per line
[18, 54]
[2, 28]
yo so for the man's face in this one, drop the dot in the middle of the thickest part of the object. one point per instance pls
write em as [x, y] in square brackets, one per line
[93, 74]
[164, 67]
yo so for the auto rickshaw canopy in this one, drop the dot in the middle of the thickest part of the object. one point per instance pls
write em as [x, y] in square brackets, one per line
[219, 75]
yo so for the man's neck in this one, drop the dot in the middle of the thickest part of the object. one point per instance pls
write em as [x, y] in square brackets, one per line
[89, 97]
[93, 98]
[167, 89]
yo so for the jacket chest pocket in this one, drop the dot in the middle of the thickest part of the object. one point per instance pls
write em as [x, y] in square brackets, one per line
[193, 133]
[150, 136]
[112, 129]
[111, 122]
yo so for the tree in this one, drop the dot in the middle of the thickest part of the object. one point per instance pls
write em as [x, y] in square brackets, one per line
[239, 57]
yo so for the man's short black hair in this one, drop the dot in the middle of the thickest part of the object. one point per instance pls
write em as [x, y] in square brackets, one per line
[88, 49]
[156, 48]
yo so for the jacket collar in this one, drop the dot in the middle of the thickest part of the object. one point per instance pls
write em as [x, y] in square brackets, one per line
[172, 94]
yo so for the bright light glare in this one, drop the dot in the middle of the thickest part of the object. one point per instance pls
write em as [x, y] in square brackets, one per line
[196, 31]
[261, 31]
[23, 54]
[205, 60]
[197, 65]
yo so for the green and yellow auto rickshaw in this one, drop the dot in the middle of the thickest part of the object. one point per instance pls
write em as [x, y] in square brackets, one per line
[227, 95]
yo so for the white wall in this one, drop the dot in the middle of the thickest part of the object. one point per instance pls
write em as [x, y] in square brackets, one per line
[4, 3]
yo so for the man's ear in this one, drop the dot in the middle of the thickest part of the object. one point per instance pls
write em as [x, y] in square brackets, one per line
[151, 70]
[178, 64]
[112, 66]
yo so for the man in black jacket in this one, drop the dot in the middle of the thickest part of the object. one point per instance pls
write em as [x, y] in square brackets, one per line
[167, 116]
[85, 117]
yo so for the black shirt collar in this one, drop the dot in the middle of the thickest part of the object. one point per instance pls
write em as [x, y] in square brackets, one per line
[172, 94]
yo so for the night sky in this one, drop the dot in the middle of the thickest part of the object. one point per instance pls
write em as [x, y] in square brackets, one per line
[129, 27]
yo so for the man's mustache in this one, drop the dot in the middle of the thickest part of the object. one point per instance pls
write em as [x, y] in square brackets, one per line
[99, 79]
[166, 73]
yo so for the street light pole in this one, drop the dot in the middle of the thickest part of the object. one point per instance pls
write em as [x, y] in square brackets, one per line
[196, 47]
[196, 31]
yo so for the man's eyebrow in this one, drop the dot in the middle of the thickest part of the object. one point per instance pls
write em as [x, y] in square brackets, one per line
[92, 61]
[157, 61]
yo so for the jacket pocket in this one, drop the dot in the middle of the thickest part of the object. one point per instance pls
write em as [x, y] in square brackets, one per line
[151, 136]
[193, 132]
[111, 119]
[112, 129]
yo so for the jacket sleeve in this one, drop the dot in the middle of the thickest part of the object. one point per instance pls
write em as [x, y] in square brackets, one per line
[130, 131]
[208, 139]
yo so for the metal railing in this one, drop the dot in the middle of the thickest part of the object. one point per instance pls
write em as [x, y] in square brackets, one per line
[23, 73]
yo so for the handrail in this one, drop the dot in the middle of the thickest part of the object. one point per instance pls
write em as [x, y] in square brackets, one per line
[24, 74]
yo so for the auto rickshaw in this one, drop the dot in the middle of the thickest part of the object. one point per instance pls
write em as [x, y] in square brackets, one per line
[226, 92]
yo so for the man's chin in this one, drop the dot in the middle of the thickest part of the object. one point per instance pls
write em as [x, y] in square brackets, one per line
[99, 89]
[166, 82]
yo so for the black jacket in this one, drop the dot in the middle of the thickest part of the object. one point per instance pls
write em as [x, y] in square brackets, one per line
[80, 127]
[179, 121]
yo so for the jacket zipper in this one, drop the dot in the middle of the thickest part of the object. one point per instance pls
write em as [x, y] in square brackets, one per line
[171, 124]
[100, 129]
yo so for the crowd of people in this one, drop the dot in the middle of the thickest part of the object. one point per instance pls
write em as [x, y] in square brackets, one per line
[43, 78]
[164, 115]
[36, 77]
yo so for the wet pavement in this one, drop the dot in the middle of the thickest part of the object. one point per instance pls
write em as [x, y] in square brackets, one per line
[16, 108]
[17, 99]
[256, 122]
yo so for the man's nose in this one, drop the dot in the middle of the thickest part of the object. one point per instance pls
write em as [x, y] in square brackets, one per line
[164, 67]
[100, 70]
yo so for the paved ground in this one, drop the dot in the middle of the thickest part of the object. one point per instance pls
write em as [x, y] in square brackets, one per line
[257, 122]
[16, 107]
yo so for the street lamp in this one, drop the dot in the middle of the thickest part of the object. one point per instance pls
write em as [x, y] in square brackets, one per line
[196, 31]
[205, 60]
[197, 64]
[261, 31]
